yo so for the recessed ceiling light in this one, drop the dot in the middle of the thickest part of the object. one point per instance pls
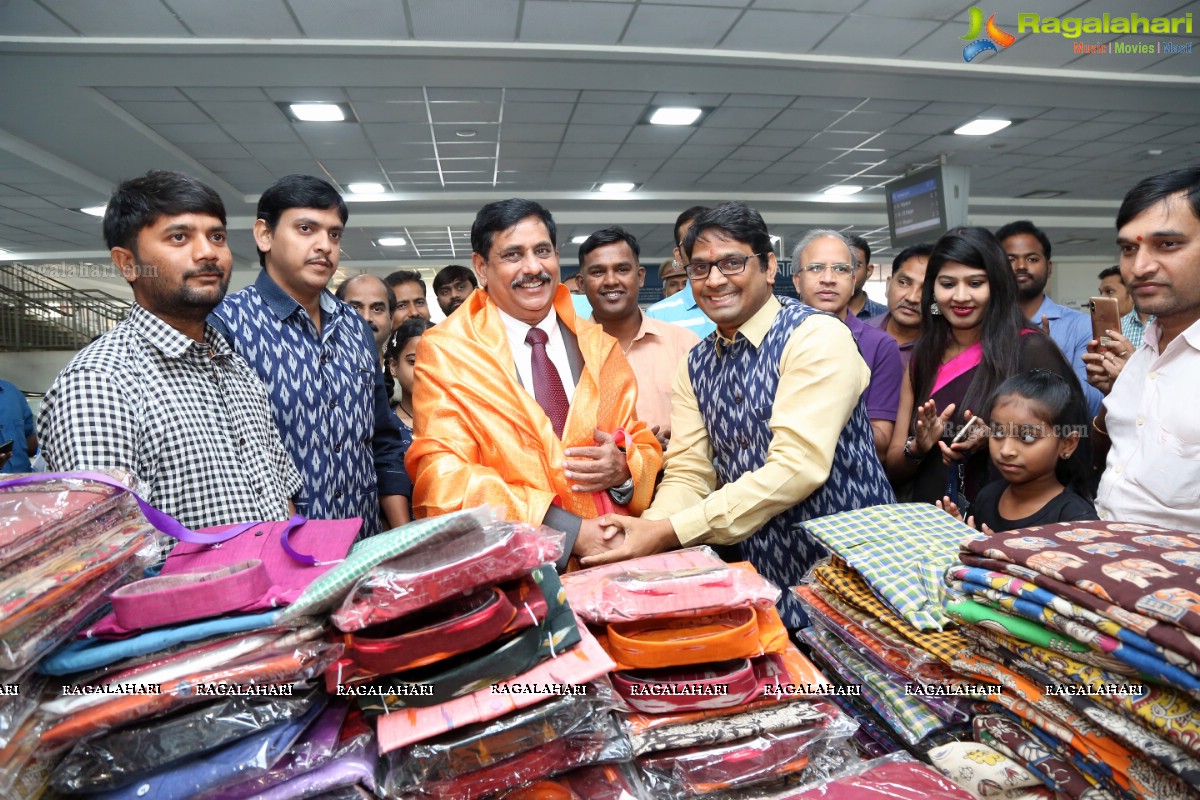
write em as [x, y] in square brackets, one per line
[578, 239]
[367, 188]
[1154, 152]
[842, 190]
[982, 127]
[317, 112]
[1042, 194]
[391, 241]
[1074, 242]
[2, 250]
[466, 133]
[94, 211]
[675, 115]
[774, 239]
[620, 187]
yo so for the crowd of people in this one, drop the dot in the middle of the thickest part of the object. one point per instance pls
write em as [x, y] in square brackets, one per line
[721, 414]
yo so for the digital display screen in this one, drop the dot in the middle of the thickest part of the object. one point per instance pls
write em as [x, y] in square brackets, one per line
[917, 208]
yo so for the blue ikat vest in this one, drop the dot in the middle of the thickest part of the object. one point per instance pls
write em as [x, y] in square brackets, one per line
[735, 389]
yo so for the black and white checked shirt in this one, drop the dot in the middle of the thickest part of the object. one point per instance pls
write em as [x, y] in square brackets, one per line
[190, 420]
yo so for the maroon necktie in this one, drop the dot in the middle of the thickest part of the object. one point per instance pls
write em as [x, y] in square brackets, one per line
[547, 384]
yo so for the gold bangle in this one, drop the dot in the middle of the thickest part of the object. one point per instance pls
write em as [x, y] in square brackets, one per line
[1096, 425]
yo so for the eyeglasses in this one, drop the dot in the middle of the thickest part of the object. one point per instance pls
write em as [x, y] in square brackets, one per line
[838, 269]
[698, 270]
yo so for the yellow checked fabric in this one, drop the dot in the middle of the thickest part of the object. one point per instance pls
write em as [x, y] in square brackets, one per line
[847, 583]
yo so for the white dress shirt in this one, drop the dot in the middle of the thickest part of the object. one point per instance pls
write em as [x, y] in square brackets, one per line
[556, 348]
[1153, 469]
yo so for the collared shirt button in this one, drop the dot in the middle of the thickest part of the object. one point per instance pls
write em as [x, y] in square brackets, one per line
[1153, 376]
[1141, 421]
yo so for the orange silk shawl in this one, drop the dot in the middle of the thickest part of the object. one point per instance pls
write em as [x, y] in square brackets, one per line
[480, 437]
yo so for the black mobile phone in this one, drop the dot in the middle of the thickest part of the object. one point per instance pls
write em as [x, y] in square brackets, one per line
[6, 447]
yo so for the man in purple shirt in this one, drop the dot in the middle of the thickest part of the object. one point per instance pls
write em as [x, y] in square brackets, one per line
[902, 321]
[824, 277]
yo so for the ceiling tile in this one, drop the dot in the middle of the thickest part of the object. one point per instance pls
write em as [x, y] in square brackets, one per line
[465, 113]
[404, 150]
[119, 18]
[607, 114]
[577, 23]
[808, 119]
[781, 31]
[535, 132]
[660, 134]
[27, 18]
[447, 150]
[594, 133]
[390, 112]
[321, 19]
[388, 94]
[541, 95]
[388, 132]
[911, 9]
[537, 112]
[260, 113]
[280, 132]
[138, 93]
[155, 113]
[222, 18]
[221, 94]
[659, 26]
[850, 37]
[585, 150]
[733, 136]
[739, 117]
[465, 20]
[184, 134]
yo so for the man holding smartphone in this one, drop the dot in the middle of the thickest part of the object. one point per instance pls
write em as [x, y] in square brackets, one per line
[18, 439]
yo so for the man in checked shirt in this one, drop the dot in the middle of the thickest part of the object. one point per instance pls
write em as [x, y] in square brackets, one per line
[162, 395]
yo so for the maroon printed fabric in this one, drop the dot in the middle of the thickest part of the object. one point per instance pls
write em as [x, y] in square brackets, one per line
[897, 780]
[1135, 571]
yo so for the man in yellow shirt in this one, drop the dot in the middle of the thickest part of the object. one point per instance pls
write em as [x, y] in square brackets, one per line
[770, 410]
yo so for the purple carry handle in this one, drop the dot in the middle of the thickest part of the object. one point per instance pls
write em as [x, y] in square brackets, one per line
[165, 522]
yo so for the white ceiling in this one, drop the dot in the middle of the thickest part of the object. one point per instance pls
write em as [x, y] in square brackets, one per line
[800, 95]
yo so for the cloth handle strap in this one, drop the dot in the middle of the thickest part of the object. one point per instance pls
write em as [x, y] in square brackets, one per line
[164, 522]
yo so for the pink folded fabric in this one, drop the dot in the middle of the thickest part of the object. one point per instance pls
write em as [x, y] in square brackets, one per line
[583, 663]
[328, 541]
[168, 599]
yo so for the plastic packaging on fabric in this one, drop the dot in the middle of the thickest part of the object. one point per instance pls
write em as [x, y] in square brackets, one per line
[267, 675]
[19, 752]
[247, 757]
[353, 764]
[34, 515]
[316, 747]
[602, 741]
[897, 776]
[120, 757]
[714, 730]
[499, 552]
[598, 782]
[683, 582]
[227, 652]
[16, 708]
[484, 744]
[703, 770]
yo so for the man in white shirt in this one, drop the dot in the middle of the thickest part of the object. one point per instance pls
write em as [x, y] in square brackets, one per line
[1152, 473]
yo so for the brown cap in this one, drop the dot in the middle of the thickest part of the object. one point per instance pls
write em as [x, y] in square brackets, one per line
[671, 269]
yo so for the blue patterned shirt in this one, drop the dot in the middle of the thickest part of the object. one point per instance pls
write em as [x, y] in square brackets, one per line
[327, 396]
[1133, 329]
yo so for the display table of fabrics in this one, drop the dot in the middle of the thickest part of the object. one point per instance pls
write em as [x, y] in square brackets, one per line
[878, 623]
[1093, 631]
[712, 694]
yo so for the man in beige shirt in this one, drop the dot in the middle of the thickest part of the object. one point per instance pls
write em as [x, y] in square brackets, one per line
[770, 410]
[611, 275]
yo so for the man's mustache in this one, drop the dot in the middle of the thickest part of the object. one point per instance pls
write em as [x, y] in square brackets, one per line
[543, 277]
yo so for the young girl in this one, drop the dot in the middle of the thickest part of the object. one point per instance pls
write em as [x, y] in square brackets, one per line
[399, 355]
[1037, 420]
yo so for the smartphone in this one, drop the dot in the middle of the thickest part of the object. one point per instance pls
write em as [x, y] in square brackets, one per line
[966, 430]
[6, 447]
[1106, 316]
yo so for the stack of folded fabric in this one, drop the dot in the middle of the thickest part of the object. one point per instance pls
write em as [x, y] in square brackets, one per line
[1093, 631]
[466, 655]
[194, 682]
[715, 696]
[897, 776]
[64, 545]
[877, 622]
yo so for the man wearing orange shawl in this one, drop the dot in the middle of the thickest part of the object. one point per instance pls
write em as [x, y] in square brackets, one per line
[517, 402]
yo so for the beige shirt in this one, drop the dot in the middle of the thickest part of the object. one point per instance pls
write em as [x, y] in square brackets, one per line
[1153, 469]
[655, 355]
[821, 377]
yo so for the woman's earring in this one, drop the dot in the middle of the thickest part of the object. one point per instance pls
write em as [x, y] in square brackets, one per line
[933, 309]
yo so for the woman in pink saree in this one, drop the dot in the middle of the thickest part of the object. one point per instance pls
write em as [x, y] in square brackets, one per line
[973, 338]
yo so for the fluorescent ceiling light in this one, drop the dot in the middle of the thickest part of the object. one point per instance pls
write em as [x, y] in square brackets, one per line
[366, 188]
[619, 187]
[317, 112]
[94, 211]
[675, 115]
[1042, 194]
[391, 241]
[842, 190]
[982, 127]
[579, 239]
[774, 239]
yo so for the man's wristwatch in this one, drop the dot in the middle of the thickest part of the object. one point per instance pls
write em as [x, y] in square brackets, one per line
[621, 495]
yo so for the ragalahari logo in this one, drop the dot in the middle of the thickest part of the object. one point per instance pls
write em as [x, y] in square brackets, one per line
[995, 36]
